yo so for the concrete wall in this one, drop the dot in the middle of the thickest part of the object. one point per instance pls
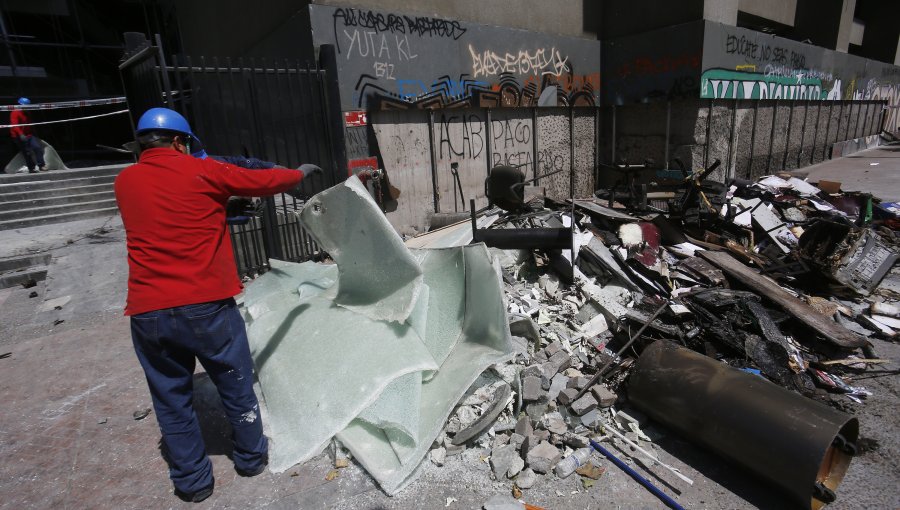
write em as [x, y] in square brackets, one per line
[563, 17]
[538, 139]
[400, 59]
[751, 138]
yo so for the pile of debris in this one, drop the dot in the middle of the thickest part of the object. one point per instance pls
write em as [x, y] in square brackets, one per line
[778, 278]
[685, 311]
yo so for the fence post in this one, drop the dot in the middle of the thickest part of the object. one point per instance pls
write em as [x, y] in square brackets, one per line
[335, 121]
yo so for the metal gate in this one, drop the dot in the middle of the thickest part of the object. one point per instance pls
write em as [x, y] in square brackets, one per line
[275, 111]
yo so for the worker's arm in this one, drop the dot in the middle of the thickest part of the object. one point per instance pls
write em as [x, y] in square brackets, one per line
[234, 180]
[250, 163]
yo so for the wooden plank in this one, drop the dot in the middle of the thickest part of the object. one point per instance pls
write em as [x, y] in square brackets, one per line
[830, 330]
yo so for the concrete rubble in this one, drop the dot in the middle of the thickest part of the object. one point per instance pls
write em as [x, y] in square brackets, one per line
[748, 276]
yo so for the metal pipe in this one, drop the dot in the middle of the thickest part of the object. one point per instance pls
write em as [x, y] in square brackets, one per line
[669, 502]
[436, 194]
[798, 444]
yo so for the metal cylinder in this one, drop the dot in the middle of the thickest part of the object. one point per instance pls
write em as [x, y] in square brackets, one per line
[796, 443]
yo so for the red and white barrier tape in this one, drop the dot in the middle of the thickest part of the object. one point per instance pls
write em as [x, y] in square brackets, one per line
[62, 104]
[64, 120]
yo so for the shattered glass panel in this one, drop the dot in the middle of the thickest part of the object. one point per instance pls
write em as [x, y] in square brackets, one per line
[381, 359]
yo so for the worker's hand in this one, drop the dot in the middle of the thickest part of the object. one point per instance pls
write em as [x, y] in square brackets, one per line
[309, 169]
[23, 138]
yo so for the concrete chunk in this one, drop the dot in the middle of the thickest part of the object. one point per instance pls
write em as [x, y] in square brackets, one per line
[578, 382]
[531, 389]
[554, 423]
[557, 384]
[603, 395]
[557, 363]
[516, 440]
[503, 502]
[523, 426]
[501, 460]
[515, 467]
[526, 479]
[552, 349]
[591, 419]
[584, 404]
[543, 457]
[567, 396]
[532, 371]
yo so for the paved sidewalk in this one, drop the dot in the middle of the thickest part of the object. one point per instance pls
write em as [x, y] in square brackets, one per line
[875, 170]
[72, 382]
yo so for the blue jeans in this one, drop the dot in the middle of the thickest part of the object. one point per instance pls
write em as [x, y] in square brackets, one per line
[167, 342]
[32, 151]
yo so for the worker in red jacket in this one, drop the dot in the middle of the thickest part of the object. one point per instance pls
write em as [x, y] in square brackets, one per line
[181, 282]
[23, 137]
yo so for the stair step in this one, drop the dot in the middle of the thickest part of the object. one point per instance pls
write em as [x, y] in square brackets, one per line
[56, 192]
[62, 175]
[19, 187]
[57, 218]
[14, 278]
[43, 203]
[56, 209]
[16, 263]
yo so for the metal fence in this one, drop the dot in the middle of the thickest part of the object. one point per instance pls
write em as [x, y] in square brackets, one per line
[276, 111]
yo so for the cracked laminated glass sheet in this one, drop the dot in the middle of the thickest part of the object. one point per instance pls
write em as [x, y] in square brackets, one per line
[387, 365]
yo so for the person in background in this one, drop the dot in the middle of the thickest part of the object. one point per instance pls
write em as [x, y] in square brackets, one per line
[182, 281]
[23, 136]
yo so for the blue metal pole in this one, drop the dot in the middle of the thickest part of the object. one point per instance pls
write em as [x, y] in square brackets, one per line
[669, 502]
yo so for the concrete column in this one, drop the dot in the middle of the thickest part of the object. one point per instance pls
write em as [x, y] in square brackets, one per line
[846, 26]
[722, 11]
[897, 53]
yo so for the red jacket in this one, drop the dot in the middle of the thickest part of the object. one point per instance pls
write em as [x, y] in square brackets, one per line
[173, 208]
[19, 117]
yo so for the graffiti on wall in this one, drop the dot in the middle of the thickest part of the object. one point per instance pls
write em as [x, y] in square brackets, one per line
[389, 61]
[743, 64]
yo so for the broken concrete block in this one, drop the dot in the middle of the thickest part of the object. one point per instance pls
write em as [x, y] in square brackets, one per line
[532, 371]
[531, 389]
[603, 395]
[572, 372]
[516, 440]
[499, 440]
[575, 441]
[557, 384]
[501, 460]
[523, 426]
[454, 450]
[438, 455]
[578, 382]
[567, 396]
[584, 404]
[526, 479]
[515, 467]
[542, 435]
[536, 410]
[557, 363]
[591, 419]
[527, 444]
[554, 423]
[545, 383]
[552, 349]
[543, 457]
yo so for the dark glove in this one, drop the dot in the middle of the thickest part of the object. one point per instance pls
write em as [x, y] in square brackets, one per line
[309, 169]
[23, 138]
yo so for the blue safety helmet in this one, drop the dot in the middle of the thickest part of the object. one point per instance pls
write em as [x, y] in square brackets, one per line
[167, 120]
[24, 101]
[201, 154]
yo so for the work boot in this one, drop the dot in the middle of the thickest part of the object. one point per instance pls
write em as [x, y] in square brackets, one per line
[44, 168]
[32, 171]
[195, 497]
[254, 472]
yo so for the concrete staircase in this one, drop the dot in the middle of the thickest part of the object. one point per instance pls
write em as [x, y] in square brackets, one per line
[28, 200]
